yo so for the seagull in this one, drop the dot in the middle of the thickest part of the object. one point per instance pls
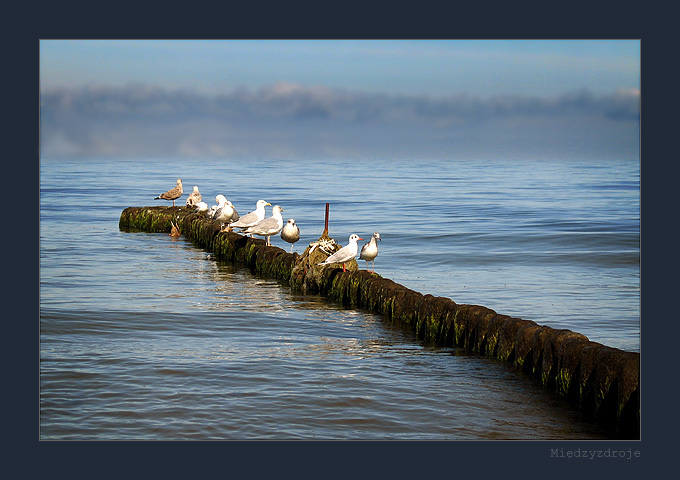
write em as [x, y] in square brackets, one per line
[252, 218]
[194, 197]
[172, 194]
[201, 207]
[345, 254]
[290, 233]
[269, 226]
[226, 213]
[214, 208]
[370, 250]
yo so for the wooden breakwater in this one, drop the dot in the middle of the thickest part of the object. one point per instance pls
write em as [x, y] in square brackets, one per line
[603, 382]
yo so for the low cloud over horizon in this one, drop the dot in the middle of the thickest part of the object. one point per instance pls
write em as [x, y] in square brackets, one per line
[304, 122]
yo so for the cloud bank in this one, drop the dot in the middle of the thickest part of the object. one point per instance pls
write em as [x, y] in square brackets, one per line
[306, 122]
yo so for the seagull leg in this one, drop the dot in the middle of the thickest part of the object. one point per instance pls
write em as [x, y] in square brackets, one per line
[343, 268]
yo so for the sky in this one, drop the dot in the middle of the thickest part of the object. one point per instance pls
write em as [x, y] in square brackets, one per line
[339, 98]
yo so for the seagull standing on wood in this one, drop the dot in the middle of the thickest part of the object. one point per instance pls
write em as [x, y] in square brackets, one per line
[201, 207]
[290, 233]
[345, 254]
[226, 213]
[172, 194]
[252, 218]
[269, 226]
[213, 210]
[370, 250]
[194, 197]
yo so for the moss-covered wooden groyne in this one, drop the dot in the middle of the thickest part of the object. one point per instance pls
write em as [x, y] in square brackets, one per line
[603, 382]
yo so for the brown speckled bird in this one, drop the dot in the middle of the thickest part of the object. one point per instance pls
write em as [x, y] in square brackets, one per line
[172, 194]
[194, 197]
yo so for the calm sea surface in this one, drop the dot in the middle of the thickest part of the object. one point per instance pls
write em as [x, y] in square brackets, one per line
[145, 337]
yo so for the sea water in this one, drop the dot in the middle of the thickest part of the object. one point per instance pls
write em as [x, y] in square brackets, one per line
[146, 337]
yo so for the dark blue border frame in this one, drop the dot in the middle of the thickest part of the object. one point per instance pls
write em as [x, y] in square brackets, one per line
[504, 20]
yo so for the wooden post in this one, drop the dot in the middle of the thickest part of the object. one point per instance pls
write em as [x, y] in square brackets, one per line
[325, 229]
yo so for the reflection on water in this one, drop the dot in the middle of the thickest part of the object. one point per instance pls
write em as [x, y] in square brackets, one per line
[308, 370]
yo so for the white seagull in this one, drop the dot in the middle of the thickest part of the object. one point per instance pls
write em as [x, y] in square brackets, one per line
[201, 207]
[290, 233]
[252, 218]
[172, 194]
[370, 250]
[269, 226]
[226, 213]
[345, 254]
[194, 197]
[214, 208]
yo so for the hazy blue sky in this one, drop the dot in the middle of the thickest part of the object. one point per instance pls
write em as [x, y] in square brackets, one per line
[338, 97]
[432, 67]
